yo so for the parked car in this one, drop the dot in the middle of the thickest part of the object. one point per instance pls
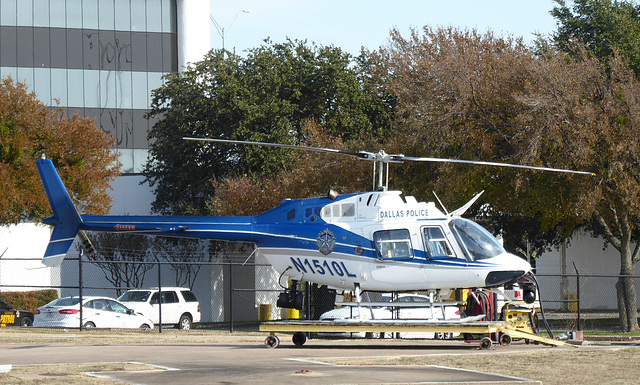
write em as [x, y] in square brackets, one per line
[402, 313]
[180, 307]
[11, 316]
[100, 312]
[391, 312]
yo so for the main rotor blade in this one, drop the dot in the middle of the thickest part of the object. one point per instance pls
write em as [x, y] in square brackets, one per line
[383, 157]
[477, 162]
[363, 155]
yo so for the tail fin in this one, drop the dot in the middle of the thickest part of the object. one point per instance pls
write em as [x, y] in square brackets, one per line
[66, 220]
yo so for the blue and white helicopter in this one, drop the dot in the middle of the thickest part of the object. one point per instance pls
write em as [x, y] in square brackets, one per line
[375, 241]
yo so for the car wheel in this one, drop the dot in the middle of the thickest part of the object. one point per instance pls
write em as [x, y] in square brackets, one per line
[185, 322]
[26, 322]
[145, 327]
[89, 325]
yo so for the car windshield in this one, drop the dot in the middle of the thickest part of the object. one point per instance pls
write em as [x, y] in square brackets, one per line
[135, 296]
[68, 301]
[476, 242]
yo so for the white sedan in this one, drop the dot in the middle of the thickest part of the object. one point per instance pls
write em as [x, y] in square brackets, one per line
[391, 312]
[101, 312]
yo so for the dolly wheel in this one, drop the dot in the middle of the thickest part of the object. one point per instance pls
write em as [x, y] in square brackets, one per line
[505, 340]
[299, 339]
[272, 341]
[486, 343]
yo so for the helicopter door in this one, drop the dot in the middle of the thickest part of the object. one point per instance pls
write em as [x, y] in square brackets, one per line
[394, 253]
[435, 243]
[393, 244]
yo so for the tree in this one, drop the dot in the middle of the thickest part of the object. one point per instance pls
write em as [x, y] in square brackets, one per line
[311, 174]
[610, 30]
[471, 96]
[263, 97]
[80, 151]
[183, 255]
[122, 258]
[459, 95]
[604, 26]
[590, 114]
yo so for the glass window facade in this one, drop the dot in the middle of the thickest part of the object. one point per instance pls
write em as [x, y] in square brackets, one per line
[101, 58]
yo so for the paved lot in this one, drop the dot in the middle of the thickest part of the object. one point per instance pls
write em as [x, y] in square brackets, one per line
[251, 362]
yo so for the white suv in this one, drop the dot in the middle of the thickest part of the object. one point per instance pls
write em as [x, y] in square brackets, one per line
[179, 305]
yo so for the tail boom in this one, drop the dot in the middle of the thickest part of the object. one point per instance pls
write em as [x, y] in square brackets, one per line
[66, 220]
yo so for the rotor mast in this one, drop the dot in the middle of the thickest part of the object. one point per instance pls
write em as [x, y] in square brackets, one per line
[381, 159]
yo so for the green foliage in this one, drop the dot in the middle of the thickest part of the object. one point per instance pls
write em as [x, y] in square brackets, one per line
[264, 97]
[604, 26]
[28, 300]
[312, 174]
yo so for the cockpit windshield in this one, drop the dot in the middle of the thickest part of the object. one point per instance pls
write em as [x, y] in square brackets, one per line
[476, 242]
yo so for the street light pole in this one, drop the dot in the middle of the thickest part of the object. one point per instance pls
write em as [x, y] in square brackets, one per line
[221, 29]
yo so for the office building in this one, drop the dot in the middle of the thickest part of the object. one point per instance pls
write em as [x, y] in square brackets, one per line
[102, 58]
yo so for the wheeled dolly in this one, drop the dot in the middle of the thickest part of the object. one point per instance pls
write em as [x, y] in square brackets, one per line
[506, 331]
[272, 341]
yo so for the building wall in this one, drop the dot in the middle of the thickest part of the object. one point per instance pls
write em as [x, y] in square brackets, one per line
[131, 196]
[194, 38]
[21, 248]
[590, 257]
[100, 58]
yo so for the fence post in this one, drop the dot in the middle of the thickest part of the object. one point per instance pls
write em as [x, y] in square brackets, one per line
[308, 295]
[230, 295]
[578, 295]
[159, 295]
[80, 284]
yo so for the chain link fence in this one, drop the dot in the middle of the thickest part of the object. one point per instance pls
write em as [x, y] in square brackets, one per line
[236, 289]
[582, 301]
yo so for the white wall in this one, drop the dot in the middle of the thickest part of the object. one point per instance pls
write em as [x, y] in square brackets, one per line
[23, 246]
[194, 31]
[590, 257]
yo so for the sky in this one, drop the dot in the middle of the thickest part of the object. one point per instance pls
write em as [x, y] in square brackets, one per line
[352, 24]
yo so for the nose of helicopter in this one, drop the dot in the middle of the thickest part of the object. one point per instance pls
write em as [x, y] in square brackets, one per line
[508, 268]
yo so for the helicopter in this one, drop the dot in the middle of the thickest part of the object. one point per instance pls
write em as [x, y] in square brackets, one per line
[378, 241]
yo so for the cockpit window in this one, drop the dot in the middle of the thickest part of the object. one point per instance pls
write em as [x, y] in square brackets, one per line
[309, 211]
[393, 244]
[476, 242]
[435, 243]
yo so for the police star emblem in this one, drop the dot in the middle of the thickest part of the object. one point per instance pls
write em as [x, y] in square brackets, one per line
[326, 241]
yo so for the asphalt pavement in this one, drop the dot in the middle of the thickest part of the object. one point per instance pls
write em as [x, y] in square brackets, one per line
[251, 362]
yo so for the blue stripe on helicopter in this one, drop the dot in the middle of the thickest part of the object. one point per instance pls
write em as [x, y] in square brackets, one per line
[245, 229]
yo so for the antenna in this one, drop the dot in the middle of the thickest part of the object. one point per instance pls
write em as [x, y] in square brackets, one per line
[440, 202]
